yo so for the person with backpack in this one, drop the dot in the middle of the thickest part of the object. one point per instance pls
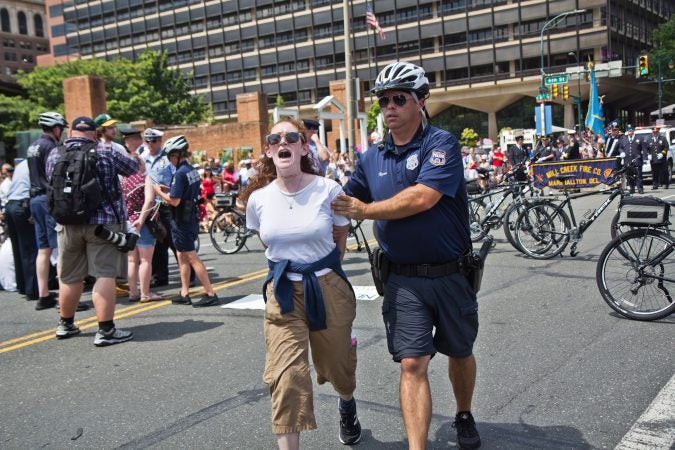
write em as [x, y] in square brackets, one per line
[86, 200]
[183, 198]
[53, 125]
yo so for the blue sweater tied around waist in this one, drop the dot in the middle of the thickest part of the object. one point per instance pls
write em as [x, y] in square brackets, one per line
[283, 287]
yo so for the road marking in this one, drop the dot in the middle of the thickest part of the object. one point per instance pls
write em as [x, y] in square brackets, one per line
[126, 311]
[656, 426]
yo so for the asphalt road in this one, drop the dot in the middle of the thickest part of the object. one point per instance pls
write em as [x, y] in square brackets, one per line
[557, 369]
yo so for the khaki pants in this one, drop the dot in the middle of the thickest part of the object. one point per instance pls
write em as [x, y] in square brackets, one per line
[287, 342]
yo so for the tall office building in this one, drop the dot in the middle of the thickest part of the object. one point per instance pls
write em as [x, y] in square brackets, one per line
[485, 56]
[22, 38]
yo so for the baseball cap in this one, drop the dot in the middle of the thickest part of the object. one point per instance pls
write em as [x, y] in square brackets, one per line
[83, 123]
[152, 133]
[311, 124]
[104, 120]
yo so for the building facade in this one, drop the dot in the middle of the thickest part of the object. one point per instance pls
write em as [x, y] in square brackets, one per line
[480, 55]
[23, 36]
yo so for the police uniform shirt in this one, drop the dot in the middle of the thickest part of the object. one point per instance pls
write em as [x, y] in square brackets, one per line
[516, 155]
[632, 148]
[612, 149]
[37, 155]
[432, 158]
[186, 183]
[158, 167]
[657, 145]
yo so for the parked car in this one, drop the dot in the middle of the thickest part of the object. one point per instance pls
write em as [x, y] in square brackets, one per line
[644, 133]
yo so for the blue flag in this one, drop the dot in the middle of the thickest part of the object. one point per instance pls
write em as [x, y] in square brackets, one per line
[595, 119]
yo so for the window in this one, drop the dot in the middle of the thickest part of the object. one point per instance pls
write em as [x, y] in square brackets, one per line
[23, 25]
[37, 22]
[4, 21]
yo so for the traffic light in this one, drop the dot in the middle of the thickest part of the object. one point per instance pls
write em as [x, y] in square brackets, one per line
[554, 91]
[566, 92]
[643, 66]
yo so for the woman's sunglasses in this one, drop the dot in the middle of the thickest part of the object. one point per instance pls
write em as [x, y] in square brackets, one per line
[291, 137]
[399, 100]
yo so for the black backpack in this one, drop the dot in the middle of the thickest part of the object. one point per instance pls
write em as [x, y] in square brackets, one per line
[75, 194]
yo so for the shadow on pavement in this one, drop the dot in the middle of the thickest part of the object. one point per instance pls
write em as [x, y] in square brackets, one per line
[164, 331]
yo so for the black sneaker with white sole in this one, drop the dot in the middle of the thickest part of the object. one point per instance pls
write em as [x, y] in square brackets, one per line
[65, 330]
[350, 428]
[206, 300]
[112, 337]
[181, 300]
[467, 434]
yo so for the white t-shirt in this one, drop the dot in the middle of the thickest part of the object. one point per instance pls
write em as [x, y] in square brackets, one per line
[296, 227]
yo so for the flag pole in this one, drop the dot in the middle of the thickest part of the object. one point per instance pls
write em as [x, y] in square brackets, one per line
[349, 94]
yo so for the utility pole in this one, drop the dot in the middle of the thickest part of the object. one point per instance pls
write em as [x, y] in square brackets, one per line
[349, 91]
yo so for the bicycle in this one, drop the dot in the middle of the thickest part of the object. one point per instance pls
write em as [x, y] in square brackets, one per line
[228, 230]
[544, 229]
[636, 272]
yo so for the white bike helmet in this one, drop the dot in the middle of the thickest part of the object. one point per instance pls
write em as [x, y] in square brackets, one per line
[177, 144]
[402, 76]
[51, 120]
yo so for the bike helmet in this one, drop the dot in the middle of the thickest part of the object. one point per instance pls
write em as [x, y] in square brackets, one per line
[51, 120]
[402, 76]
[177, 144]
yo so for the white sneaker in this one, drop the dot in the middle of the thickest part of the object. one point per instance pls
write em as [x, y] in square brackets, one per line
[112, 337]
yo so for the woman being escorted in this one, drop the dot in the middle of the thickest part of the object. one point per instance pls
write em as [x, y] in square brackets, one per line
[308, 298]
[140, 199]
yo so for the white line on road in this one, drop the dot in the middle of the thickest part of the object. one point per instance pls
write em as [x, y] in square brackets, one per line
[655, 429]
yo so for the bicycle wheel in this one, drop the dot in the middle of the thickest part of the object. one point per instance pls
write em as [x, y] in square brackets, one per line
[510, 217]
[476, 215]
[228, 231]
[542, 230]
[636, 274]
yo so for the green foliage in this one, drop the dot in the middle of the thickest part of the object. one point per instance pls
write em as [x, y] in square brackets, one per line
[144, 89]
[468, 137]
[373, 112]
[16, 114]
[663, 38]
[279, 101]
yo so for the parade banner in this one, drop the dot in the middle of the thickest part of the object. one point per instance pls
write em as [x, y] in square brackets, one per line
[587, 173]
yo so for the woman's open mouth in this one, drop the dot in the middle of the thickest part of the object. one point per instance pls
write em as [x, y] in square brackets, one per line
[284, 154]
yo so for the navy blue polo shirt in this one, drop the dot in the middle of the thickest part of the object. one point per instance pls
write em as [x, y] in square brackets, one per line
[186, 183]
[432, 158]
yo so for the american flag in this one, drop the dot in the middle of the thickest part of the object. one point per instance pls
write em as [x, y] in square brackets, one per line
[372, 21]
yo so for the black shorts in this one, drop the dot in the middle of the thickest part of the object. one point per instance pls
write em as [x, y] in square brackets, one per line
[184, 235]
[413, 306]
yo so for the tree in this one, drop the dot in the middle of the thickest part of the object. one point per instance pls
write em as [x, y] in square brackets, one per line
[469, 137]
[135, 90]
[373, 112]
[16, 114]
[664, 53]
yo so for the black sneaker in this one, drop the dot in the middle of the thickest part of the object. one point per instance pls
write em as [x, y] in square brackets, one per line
[182, 300]
[65, 330]
[467, 435]
[206, 300]
[350, 428]
[45, 303]
[112, 337]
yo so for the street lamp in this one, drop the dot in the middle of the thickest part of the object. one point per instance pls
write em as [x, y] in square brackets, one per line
[576, 57]
[551, 22]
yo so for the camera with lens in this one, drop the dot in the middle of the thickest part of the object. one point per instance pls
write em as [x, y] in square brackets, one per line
[124, 241]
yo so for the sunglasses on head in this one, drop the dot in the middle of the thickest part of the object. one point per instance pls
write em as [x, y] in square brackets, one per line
[291, 137]
[399, 100]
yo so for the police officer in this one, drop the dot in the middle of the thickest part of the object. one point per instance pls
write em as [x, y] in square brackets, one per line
[517, 154]
[183, 197]
[658, 148]
[415, 190]
[632, 150]
[612, 147]
[544, 150]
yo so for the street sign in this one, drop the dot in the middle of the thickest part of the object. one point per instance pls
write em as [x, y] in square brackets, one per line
[559, 78]
[542, 98]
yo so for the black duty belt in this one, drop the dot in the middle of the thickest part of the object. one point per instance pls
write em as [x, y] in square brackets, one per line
[425, 270]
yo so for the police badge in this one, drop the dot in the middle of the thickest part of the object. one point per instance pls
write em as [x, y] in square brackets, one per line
[437, 157]
[412, 162]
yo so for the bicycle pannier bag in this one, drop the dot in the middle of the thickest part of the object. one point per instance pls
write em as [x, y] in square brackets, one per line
[224, 200]
[643, 211]
[75, 194]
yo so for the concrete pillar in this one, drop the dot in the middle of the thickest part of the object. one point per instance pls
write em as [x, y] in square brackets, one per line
[83, 96]
[570, 116]
[252, 107]
[492, 126]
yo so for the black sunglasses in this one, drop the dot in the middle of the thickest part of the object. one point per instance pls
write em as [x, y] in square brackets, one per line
[399, 100]
[291, 137]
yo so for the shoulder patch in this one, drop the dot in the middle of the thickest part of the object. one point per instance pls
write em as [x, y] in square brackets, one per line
[437, 157]
[412, 162]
